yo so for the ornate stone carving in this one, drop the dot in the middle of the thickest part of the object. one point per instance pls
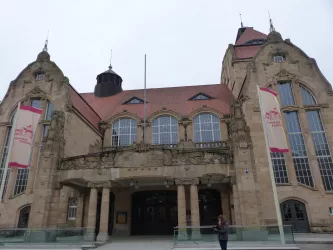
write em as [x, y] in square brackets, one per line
[92, 161]
[187, 181]
[196, 158]
[36, 92]
[284, 75]
[99, 184]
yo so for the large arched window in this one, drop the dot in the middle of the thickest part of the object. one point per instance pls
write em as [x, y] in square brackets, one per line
[206, 127]
[5, 150]
[123, 132]
[165, 130]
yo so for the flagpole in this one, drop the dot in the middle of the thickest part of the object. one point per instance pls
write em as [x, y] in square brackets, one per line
[11, 139]
[144, 105]
[275, 195]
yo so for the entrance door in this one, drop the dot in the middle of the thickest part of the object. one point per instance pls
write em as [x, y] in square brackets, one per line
[24, 217]
[154, 212]
[294, 214]
[210, 206]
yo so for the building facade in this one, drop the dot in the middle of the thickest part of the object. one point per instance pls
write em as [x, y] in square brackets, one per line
[96, 163]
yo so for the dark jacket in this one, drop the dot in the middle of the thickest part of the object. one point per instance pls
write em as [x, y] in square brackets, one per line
[222, 231]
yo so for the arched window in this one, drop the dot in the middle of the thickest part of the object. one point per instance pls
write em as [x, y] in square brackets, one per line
[5, 150]
[165, 130]
[206, 127]
[123, 132]
[307, 97]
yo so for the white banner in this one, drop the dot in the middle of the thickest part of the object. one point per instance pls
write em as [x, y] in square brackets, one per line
[270, 109]
[26, 123]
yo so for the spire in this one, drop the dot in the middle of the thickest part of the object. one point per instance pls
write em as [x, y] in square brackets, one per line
[271, 27]
[240, 16]
[46, 42]
[110, 66]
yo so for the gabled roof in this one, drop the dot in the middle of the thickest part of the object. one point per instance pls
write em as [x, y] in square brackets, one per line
[249, 34]
[200, 96]
[174, 98]
[134, 100]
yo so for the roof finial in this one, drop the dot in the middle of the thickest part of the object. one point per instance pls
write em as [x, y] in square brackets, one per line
[240, 16]
[46, 42]
[271, 27]
[110, 66]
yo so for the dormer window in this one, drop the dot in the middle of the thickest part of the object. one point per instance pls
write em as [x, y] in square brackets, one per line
[200, 96]
[279, 58]
[40, 76]
[134, 100]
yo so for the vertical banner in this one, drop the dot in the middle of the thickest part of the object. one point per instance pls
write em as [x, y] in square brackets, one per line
[26, 123]
[272, 117]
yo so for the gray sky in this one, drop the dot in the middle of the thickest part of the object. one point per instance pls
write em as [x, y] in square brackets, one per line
[185, 40]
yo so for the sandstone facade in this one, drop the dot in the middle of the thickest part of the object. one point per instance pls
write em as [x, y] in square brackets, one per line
[79, 177]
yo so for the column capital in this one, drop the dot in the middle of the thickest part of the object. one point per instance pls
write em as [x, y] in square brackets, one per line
[99, 184]
[187, 181]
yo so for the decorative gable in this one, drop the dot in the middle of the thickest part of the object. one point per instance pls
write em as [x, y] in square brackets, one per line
[134, 100]
[200, 96]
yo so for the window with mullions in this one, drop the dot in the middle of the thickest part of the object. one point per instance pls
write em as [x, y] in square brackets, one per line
[286, 94]
[298, 150]
[307, 97]
[165, 130]
[72, 207]
[49, 110]
[279, 58]
[123, 132]
[279, 168]
[206, 128]
[321, 147]
[4, 158]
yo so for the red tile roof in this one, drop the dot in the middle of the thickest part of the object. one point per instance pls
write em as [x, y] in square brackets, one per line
[175, 99]
[247, 51]
[250, 34]
[247, 34]
[83, 107]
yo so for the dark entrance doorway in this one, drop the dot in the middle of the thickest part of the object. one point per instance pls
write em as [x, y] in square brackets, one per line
[210, 206]
[154, 212]
[24, 217]
[98, 213]
[294, 214]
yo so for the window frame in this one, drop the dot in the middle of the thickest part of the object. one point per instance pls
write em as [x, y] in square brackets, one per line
[119, 134]
[276, 58]
[72, 209]
[212, 130]
[40, 76]
[170, 133]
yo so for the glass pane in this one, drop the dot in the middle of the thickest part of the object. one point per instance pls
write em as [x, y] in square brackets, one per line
[206, 128]
[124, 132]
[36, 103]
[307, 97]
[165, 130]
[49, 111]
[286, 94]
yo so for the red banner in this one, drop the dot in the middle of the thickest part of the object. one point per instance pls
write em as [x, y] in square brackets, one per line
[270, 109]
[25, 127]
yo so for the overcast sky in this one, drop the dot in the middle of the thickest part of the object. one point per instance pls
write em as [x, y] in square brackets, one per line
[184, 40]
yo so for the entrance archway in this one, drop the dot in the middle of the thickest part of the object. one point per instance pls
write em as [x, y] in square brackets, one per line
[154, 212]
[294, 214]
[24, 217]
[210, 206]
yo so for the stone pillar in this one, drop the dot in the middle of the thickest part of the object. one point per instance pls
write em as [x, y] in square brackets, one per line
[11, 183]
[181, 203]
[104, 221]
[92, 210]
[225, 204]
[195, 215]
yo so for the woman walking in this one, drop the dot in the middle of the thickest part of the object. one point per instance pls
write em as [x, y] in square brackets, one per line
[222, 231]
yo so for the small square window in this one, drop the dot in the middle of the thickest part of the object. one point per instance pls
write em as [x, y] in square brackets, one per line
[40, 76]
[279, 58]
[331, 210]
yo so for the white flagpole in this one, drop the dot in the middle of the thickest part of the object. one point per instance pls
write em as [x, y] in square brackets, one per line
[144, 105]
[11, 139]
[275, 195]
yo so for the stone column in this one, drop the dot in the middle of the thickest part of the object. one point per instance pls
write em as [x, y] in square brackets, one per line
[181, 203]
[104, 221]
[11, 183]
[195, 215]
[225, 204]
[92, 211]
